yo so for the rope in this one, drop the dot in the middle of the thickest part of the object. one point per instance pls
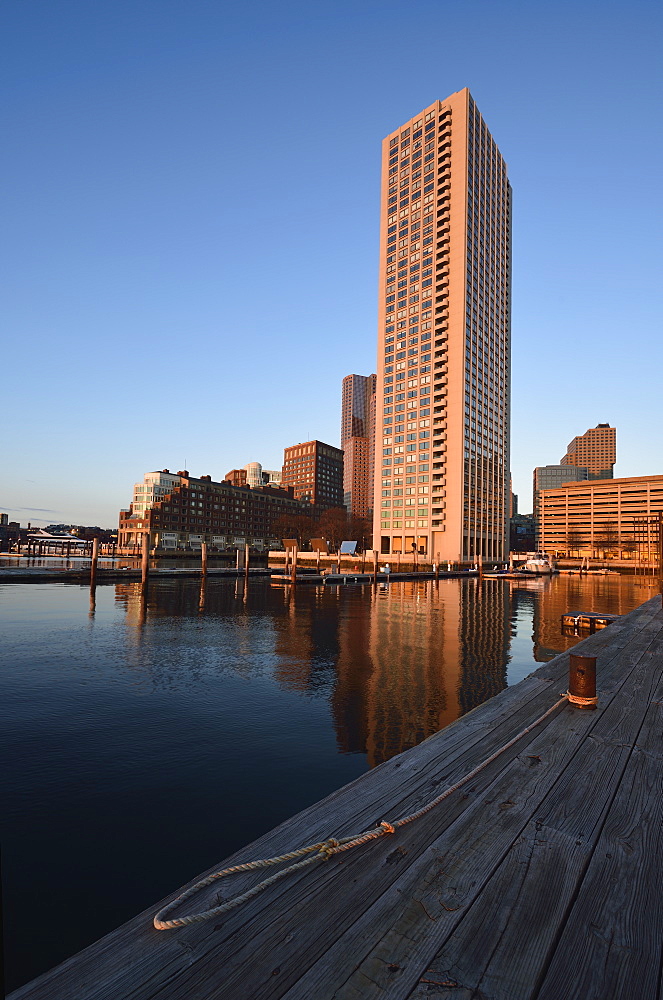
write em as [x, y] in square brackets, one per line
[577, 699]
[323, 850]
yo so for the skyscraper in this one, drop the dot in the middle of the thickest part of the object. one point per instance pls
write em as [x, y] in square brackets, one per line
[443, 383]
[595, 450]
[355, 406]
[358, 443]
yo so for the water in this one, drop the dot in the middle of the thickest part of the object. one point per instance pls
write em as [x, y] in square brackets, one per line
[145, 740]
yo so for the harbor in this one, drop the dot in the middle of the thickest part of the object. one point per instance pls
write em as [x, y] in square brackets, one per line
[420, 912]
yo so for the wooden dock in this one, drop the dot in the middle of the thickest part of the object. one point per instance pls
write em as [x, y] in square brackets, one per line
[340, 579]
[56, 574]
[540, 878]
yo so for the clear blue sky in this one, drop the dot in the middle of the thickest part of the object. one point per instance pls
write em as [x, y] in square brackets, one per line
[190, 226]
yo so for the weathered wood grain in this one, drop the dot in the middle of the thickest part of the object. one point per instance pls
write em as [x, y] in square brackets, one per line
[611, 944]
[502, 947]
[474, 852]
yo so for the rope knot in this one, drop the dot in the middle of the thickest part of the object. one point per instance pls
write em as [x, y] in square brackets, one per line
[327, 848]
[387, 827]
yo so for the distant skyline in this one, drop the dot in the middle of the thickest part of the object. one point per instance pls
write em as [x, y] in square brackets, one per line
[190, 227]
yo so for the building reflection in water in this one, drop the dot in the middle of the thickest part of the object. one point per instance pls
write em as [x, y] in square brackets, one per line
[395, 664]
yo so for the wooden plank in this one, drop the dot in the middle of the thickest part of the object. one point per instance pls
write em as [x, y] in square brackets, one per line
[136, 961]
[384, 965]
[502, 947]
[611, 944]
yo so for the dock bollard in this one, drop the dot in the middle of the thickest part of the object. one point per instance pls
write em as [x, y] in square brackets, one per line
[582, 681]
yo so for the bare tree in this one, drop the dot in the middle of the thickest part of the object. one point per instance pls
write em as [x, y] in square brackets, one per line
[333, 526]
[299, 526]
[574, 540]
[607, 537]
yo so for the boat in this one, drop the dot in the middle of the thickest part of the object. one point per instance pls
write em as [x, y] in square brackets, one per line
[539, 564]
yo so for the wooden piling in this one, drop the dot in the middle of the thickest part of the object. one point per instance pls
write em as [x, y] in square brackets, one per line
[145, 561]
[203, 558]
[95, 559]
[247, 554]
[375, 567]
[293, 574]
[582, 681]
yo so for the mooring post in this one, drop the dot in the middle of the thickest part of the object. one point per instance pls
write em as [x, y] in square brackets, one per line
[437, 567]
[95, 559]
[293, 574]
[375, 567]
[203, 558]
[317, 561]
[145, 561]
[247, 554]
[582, 681]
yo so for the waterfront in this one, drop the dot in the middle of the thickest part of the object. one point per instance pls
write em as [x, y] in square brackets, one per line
[144, 740]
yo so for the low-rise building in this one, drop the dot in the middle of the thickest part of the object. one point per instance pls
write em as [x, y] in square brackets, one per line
[600, 518]
[195, 510]
[237, 477]
[10, 533]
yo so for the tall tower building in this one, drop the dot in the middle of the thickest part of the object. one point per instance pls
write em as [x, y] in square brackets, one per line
[356, 406]
[443, 381]
[358, 443]
[595, 450]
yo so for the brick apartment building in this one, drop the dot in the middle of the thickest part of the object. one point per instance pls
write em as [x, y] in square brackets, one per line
[314, 471]
[180, 512]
